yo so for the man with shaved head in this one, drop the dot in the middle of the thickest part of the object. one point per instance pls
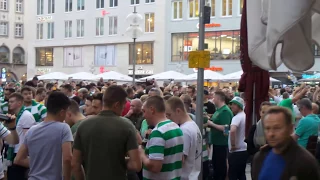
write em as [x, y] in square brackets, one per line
[135, 113]
[315, 108]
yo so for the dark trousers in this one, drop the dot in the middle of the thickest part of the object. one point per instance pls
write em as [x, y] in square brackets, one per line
[205, 170]
[219, 162]
[237, 165]
[16, 172]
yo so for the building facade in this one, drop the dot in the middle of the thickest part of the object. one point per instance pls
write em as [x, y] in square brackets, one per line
[13, 44]
[90, 35]
[222, 36]
[81, 35]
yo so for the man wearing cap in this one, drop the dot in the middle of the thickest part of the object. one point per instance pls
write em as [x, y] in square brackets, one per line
[237, 147]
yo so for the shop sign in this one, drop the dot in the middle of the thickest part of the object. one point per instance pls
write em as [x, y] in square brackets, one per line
[45, 18]
[212, 25]
[141, 72]
[42, 71]
[212, 68]
[309, 76]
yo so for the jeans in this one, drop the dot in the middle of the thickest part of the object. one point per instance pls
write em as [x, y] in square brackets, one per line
[16, 172]
[237, 165]
[219, 162]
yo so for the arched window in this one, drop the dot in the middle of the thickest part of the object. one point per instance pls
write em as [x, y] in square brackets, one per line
[4, 54]
[18, 55]
[316, 49]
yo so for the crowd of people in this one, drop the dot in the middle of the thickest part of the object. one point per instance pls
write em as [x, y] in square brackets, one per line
[108, 131]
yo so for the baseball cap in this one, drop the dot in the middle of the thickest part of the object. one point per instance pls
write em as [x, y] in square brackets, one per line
[238, 101]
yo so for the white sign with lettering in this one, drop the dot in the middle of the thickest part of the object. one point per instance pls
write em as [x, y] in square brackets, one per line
[141, 72]
[42, 71]
[45, 18]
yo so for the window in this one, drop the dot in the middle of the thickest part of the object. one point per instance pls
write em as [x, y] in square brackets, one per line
[73, 57]
[4, 54]
[50, 30]
[4, 27]
[105, 55]
[18, 30]
[144, 53]
[113, 3]
[39, 7]
[99, 26]
[226, 7]
[193, 8]
[68, 7]
[213, 8]
[80, 5]
[18, 55]
[113, 25]
[19, 6]
[44, 56]
[40, 31]
[149, 22]
[223, 45]
[100, 4]
[240, 6]
[177, 10]
[68, 29]
[4, 5]
[150, 1]
[134, 2]
[51, 6]
[80, 28]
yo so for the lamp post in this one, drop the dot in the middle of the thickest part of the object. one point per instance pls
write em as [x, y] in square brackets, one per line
[134, 31]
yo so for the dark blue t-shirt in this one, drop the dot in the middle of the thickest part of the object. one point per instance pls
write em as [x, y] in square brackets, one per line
[272, 167]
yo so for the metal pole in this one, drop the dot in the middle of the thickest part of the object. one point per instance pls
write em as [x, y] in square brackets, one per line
[134, 62]
[200, 81]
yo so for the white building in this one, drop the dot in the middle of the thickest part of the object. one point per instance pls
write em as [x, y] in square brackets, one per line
[13, 44]
[89, 35]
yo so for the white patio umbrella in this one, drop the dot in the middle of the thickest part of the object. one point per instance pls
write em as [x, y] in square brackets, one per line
[208, 76]
[83, 76]
[236, 76]
[168, 75]
[112, 75]
[54, 76]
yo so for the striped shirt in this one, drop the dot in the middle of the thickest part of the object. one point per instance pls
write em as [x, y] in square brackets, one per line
[166, 144]
[3, 131]
[3, 106]
[38, 111]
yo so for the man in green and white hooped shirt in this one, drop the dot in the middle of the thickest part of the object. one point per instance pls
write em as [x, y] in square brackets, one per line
[163, 154]
[38, 110]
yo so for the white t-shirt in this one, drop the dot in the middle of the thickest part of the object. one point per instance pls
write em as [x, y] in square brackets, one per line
[192, 148]
[239, 121]
[26, 121]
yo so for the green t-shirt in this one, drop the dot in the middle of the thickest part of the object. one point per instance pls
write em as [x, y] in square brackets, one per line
[74, 128]
[308, 126]
[222, 116]
[144, 128]
[287, 103]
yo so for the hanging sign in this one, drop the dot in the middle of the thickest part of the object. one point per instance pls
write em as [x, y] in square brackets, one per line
[199, 59]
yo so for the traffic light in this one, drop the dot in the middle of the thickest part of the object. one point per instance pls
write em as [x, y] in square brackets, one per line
[206, 14]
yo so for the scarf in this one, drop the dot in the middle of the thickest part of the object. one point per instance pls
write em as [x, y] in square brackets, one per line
[259, 139]
[10, 152]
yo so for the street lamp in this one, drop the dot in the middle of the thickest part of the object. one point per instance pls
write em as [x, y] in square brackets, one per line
[134, 31]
